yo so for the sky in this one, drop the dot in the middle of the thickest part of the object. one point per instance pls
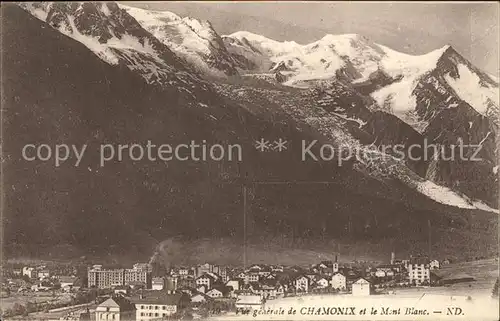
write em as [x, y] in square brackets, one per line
[415, 28]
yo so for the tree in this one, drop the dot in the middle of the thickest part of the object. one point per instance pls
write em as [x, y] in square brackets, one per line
[495, 290]
[30, 307]
[18, 309]
[8, 313]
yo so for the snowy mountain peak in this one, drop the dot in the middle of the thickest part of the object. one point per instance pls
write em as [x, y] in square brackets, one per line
[393, 79]
[347, 36]
[436, 80]
[118, 39]
[250, 36]
[194, 40]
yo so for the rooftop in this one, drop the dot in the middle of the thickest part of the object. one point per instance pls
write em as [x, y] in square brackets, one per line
[118, 301]
[157, 297]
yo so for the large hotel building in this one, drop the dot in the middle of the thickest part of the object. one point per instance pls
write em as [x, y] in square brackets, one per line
[101, 278]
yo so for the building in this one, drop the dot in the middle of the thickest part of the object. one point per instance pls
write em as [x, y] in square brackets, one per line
[322, 283]
[115, 308]
[249, 302]
[268, 290]
[218, 292]
[335, 267]
[171, 284]
[265, 271]
[105, 279]
[66, 281]
[253, 277]
[188, 282]
[434, 265]
[158, 284]
[223, 273]
[453, 278]
[143, 266]
[42, 274]
[184, 272]
[101, 278]
[255, 267]
[361, 287]
[236, 284]
[204, 268]
[379, 273]
[390, 267]
[157, 305]
[205, 279]
[138, 274]
[419, 271]
[29, 272]
[339, 281]
[198, 298]
[277, 268]
[393, 258]
[122, 289]
[302, 284]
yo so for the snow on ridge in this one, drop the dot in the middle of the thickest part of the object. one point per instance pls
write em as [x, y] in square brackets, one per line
[398, 96]
[38, 12]
[271, 47]
[446, 196]
[332, 52]
[396, 63]
[137, 56]
[149, 16]
[250, 36]
[92, 43]
[190, 38]
[101, 50]
[468, 87]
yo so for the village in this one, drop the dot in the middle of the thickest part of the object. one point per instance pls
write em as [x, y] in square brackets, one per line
[143, 292]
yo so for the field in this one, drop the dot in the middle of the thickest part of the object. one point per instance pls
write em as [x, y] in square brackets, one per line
[8, 303]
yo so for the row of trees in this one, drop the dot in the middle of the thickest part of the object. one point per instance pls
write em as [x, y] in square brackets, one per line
[19, 309]
[94, 295]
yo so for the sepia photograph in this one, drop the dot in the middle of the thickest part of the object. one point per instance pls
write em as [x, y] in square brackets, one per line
[249, 160]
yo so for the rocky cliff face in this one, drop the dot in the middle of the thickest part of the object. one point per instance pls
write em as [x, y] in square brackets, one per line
[118, 39]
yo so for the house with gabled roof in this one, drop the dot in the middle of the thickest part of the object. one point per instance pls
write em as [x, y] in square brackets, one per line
[115, 308]
[321, 282]
[361, 287]
[302, 283]
[205, 279]
[221, 291]
[265, 271]
[198, 298]
[339, 281]
[256, 267]
[434, 265]
[236, 284]
[277, 268]
[253, 277]
[271, 276]
[158, 304]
